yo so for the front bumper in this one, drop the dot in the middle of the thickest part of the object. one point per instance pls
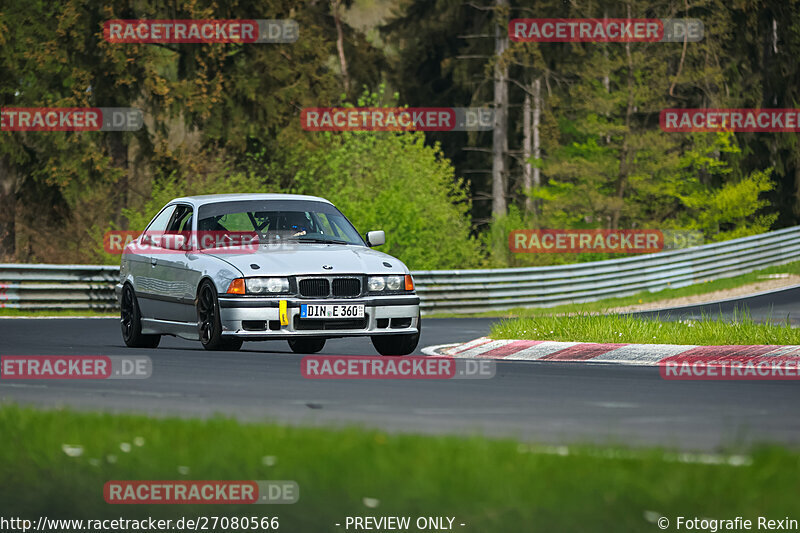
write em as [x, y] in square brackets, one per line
[259, 318]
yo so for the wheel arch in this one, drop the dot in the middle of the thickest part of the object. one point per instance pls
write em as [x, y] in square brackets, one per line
[203, 280]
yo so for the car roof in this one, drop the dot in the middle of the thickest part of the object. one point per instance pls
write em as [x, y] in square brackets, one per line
[213, 198]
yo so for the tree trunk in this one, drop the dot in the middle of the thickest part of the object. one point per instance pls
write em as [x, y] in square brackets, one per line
[527, 169]
[531, 175]
[335, 5]
[624, 155]
[775, 52]
[500, 134]
[606, 78]
[8, 210]
[774, 36]
[537, 119]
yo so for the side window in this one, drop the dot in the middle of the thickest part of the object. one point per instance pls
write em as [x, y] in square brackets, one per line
[181, 220]
[159, 224]
[155, 231]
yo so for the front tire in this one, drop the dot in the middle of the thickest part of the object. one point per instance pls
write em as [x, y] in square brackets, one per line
[307, 345]
[398, 344]
[209, 323]
[130, 319]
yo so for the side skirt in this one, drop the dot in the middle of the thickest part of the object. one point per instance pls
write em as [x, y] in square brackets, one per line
[184, 330]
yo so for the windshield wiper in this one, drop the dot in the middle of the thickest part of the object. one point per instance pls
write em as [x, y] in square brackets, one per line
[321, 241]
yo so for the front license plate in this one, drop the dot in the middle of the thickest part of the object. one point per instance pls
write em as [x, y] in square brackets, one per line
[332, 311]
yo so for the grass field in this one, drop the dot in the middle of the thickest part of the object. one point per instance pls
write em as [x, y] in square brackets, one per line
[626, 329]
[490, 485]
[600, 306]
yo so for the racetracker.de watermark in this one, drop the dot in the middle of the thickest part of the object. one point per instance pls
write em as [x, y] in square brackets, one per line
[245, 31]
[201, 492]
[70, 119]
[711, 368]
[161, 242]
[733, 120]
[608, 30]
[397, 119]
[409, 367]
[641, 241]
[75, 367]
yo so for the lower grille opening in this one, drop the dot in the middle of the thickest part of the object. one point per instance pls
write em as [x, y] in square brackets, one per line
[254, 325]
[322, 324]
[383, 322]
[275, 325]
[401, 323]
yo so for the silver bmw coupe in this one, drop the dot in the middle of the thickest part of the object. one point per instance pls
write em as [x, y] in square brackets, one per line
[223, 269]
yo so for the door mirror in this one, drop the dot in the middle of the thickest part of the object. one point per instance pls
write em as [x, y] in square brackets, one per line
[376, 238]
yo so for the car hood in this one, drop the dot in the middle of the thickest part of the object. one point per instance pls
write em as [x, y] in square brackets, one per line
[304, 259]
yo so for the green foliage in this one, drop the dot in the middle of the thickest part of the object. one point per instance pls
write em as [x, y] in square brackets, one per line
[394, 182]
[389, 181]
[221, 181]
[223, 99]
[605, 162]
[715, 198]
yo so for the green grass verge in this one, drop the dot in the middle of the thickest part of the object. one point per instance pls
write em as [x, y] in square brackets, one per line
[626, 329]
[490, 485]
[703, 287]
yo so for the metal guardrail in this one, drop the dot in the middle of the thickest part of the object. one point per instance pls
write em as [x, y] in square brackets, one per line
[460, 291]
[58, 286]
[466, 291]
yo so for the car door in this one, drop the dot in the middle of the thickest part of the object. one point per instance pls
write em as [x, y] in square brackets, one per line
[147, 279]
[181, 279]
[172, 293]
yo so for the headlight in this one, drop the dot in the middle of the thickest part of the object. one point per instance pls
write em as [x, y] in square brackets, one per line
[267, 285]
[393, 283]
[376, 283]
[390, 283]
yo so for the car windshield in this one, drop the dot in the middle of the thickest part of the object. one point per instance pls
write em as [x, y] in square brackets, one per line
[276, 221]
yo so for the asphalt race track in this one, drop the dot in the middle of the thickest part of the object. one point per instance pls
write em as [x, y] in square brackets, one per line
[775, 306]
[543, 402]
